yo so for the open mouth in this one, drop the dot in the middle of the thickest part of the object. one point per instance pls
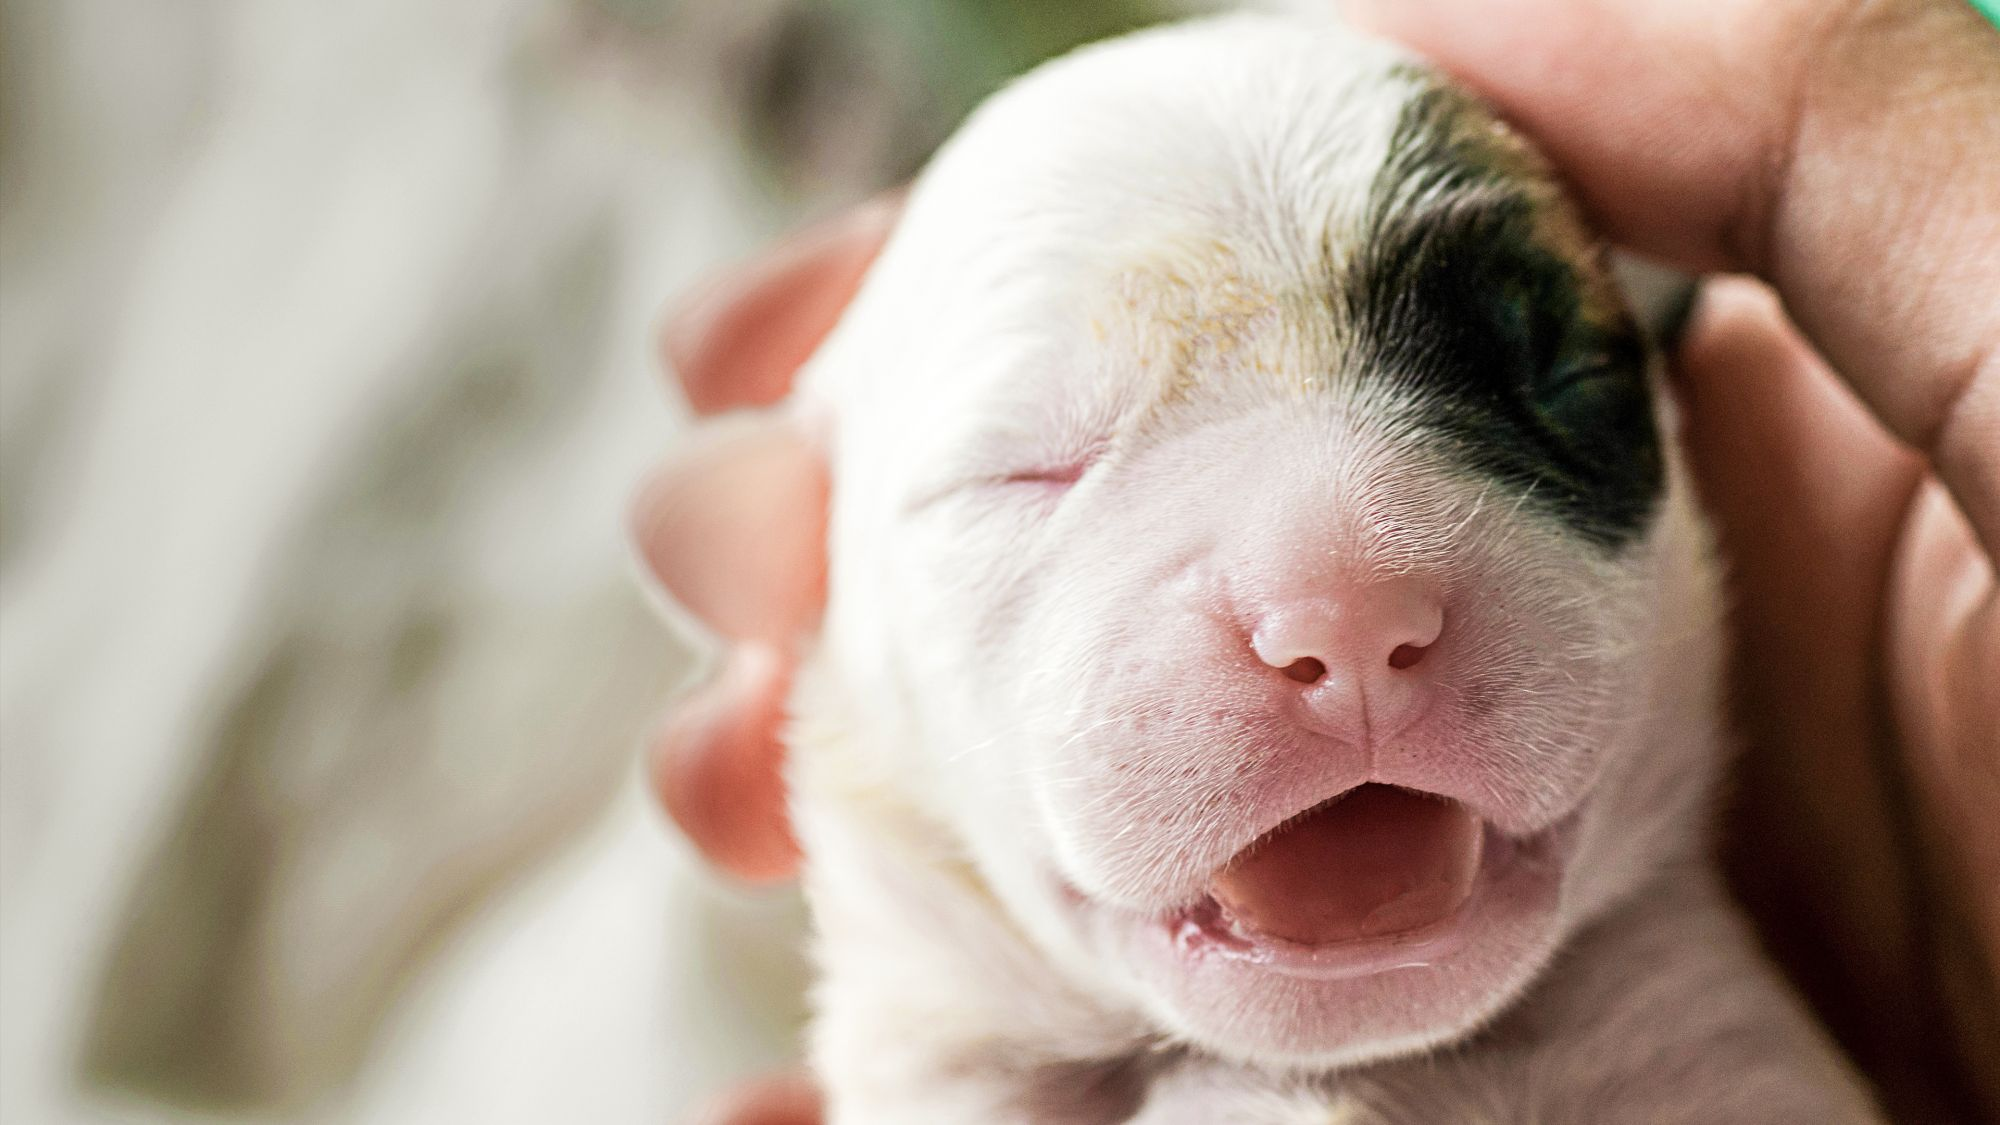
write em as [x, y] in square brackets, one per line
[1378, 877]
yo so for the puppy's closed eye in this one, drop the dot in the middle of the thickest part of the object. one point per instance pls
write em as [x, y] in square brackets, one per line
[1058, 474]
[1031, 460]
[1026, 479]
[1593, 400]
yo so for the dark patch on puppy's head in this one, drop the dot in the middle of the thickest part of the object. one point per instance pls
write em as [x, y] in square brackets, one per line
[1478, 289]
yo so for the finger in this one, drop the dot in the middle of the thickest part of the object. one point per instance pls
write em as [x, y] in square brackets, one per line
[717, 767]
[1787, 458]
[733, 526]
[743, 339]
[1807, 492]
[1945, 634]
[790, 1099]
[1847, 151]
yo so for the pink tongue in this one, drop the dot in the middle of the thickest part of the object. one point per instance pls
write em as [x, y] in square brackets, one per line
[1376, 861]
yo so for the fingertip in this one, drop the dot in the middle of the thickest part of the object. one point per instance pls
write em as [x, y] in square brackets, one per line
[741, 339]
[717, 768]
[733, 527]
[790, 1099]
[1786, 457]
[1736, 324]
[1411, 21]
[1642, 106]
[1757, 398]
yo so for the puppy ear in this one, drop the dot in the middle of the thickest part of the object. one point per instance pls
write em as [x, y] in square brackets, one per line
[741, 341]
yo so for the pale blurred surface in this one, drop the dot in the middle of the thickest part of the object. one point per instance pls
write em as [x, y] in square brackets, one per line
[324, 375]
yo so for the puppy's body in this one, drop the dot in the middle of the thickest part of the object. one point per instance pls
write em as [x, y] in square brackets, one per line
[1201, 363]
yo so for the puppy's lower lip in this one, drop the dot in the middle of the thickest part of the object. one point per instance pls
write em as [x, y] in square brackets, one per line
[1375, 862]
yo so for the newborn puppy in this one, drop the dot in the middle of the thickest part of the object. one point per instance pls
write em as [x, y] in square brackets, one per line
[1269, 658]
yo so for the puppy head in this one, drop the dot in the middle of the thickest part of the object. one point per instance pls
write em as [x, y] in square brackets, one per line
[1252, 542]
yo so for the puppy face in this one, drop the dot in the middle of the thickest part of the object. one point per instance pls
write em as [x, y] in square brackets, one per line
[1252, 541]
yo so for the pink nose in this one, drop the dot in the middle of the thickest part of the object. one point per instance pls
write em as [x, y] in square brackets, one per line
[1359, 654]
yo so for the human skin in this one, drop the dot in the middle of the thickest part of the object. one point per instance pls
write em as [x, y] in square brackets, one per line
[1844, 153]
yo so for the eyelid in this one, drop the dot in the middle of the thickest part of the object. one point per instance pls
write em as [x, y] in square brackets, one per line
[1569, 373]
[1054, 474]
[1593, 365]
[1063, 471]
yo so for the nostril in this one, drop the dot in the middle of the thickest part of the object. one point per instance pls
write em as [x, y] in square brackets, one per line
[1305, 670]
[1407, 656]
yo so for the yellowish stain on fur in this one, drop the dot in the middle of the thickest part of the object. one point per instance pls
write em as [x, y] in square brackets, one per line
[1193, 313]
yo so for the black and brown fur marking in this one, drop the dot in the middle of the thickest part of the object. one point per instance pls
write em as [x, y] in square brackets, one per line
[1480, 289]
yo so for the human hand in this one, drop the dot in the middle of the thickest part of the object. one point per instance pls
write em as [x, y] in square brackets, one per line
[716, 762]
[1845, 153]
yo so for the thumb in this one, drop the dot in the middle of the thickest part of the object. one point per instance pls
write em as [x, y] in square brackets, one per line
[1844, 150]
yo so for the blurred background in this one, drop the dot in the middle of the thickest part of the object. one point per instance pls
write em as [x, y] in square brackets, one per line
[325, 372]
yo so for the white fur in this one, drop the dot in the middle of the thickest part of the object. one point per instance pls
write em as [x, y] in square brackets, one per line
[982, 718]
